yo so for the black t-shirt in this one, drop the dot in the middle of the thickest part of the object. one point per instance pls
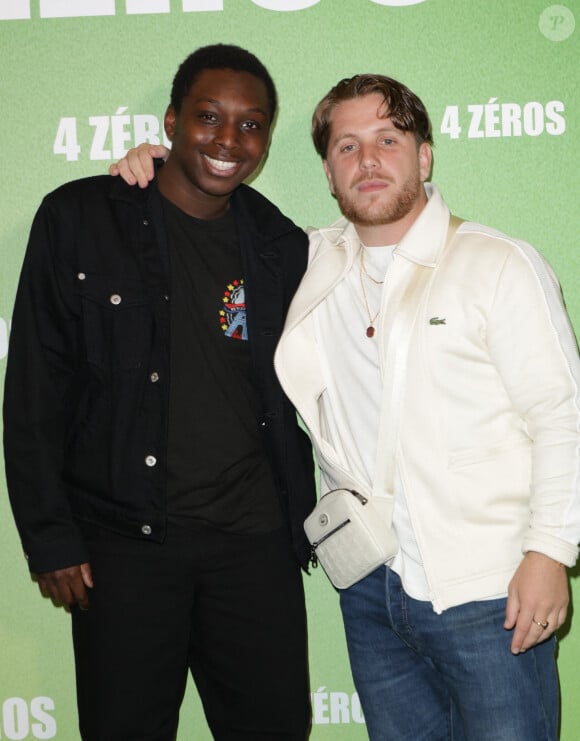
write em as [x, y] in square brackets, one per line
[217, 469]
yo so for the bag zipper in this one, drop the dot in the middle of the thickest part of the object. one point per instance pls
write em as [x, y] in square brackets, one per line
[313, 557]
[314, 546]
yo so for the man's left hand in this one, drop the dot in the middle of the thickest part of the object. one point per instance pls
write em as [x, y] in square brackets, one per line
[537, 601]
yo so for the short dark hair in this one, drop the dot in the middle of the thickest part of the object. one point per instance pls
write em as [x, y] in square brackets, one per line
[402, 106]
[220, 56]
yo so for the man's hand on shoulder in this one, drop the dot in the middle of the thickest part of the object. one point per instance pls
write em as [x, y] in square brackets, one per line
[537, 601]
[67, 587]
[137, 167]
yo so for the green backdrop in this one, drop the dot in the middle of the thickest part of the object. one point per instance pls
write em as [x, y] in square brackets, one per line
[82, 80]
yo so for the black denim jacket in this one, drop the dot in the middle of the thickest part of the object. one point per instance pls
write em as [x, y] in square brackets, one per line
[86, 394]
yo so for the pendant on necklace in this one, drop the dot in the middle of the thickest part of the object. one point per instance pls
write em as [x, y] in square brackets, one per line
[370, 331]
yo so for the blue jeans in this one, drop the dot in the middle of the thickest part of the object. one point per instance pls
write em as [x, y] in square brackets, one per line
[450, 677]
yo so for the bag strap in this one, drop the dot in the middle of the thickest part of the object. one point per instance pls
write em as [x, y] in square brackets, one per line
[395, 374]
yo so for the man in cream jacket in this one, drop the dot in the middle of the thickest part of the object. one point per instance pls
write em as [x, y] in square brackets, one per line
[434, 365]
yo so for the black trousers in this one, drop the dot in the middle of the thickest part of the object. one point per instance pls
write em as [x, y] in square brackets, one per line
[229, 608]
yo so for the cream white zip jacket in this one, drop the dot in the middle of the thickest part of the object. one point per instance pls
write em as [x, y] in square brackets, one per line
[488, 437]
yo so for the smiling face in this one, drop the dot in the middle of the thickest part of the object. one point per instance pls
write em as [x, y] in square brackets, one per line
[219, 138]
[375, 170]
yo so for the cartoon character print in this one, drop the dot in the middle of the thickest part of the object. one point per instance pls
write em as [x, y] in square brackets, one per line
[232, 316]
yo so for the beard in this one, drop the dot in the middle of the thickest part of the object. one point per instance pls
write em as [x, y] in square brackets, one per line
[379, 212]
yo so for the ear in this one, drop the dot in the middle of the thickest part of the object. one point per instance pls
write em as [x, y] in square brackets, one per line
[425, 160]
[328, 174]
[169, 122]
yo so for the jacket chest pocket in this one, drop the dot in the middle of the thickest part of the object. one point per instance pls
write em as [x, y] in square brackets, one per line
[118, 328]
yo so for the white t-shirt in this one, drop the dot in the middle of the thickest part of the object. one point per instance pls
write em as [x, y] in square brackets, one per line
[352, 400]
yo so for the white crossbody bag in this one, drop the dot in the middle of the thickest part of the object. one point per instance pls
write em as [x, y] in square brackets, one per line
[349, 535]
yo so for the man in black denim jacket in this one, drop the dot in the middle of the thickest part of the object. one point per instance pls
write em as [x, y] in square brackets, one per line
[129, 381]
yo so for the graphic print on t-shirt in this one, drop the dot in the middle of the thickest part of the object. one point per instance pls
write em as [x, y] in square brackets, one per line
[233, 314]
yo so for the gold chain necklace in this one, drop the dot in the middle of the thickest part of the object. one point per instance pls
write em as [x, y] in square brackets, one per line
[370, 330]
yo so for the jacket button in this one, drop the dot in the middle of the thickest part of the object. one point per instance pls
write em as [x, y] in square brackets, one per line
[145, 222]
[146, 529]
[150, 460]
[115, 299]
[154, 377]
[81, 276]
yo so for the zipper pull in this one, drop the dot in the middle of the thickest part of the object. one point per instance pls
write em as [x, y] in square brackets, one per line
[313, 557]
[362, 500]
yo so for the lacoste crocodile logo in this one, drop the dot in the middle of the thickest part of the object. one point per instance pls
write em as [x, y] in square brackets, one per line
[436, 320]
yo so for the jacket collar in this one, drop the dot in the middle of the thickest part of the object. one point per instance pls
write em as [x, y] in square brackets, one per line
[334, 249]
[258, 215]
[425, 240]
[422, 244]
[253, 210]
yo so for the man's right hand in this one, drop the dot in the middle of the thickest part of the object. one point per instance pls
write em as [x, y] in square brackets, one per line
[136, 167]
[67, 587]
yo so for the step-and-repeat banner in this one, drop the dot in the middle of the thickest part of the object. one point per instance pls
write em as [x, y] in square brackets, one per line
[83, 80]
